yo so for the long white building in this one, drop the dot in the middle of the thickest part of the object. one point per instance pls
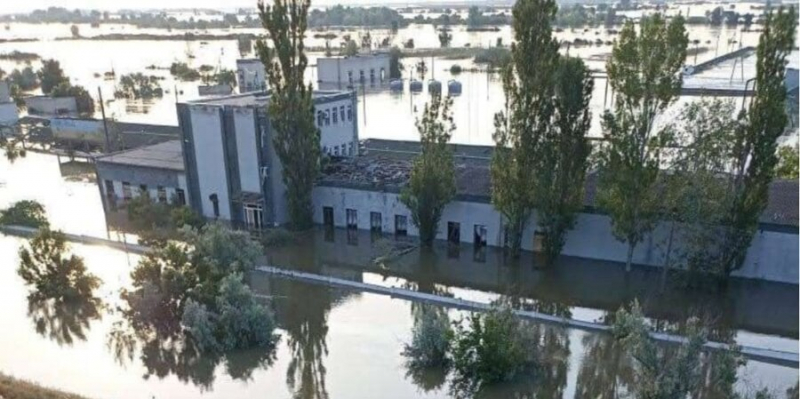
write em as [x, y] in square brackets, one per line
[341, 71]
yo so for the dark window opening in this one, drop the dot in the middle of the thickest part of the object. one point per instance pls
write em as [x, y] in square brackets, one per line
[352, 218]
[375, 222]
[327, 216]
[352, 237]
[215, 204]
[253, 216]
[341, 113]
[454, 232]
[109, 188]
[400, 225]
[479, 236]
[328, 233]
[126, 190]
[181, 196]
[143, 189]
[162, 194]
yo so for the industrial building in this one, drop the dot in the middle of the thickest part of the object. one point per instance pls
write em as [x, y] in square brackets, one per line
[251, 75]
[344, 71]
[232, 169]
[8, 109]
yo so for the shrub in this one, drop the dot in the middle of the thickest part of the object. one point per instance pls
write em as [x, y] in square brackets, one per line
[183, 72]
[430, 339]
[455, 69]
[277, 238]
[494, 57]
[24, 213]
[495, 348]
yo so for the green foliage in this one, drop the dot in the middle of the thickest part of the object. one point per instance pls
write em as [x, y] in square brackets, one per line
[245, 45]
[243, 322]
[562, 160]
[350, 49]
[494, 57]
[430, 339]
[137, 86]
[445, 37]
[432, 184]
[673, 372]
[51, 75]
[356, 16]
[395, 67]
[496, 347]
[754, 150]
[572, 16]
[83, 99]
[278, 237]
[183, 215]
[291, 108]
[183, 72]
[24, 213]
[25, 79]
[44, 264]
[787, 163]
[644, 70]
[528, 83]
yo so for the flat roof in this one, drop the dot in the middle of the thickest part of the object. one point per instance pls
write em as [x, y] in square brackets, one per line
[261, 98]
[732, 73]
[166, 155]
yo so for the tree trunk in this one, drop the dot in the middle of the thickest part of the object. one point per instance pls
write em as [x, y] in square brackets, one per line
[630, 257]
[665, 268]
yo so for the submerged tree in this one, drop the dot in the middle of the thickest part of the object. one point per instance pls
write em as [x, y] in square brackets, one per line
[432, 183]
[45, 265]
[644, 70]
[528, 83]
[51, 75]
[83, 100]
[563, 157]
[26, 213]
[755, 144]
[291, 108]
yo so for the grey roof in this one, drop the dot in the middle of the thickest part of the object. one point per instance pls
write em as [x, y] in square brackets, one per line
[166, 155]
[261, 98]
[385, 166]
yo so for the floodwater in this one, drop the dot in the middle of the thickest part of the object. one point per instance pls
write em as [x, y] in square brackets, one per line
[382, 114]
[345, 344]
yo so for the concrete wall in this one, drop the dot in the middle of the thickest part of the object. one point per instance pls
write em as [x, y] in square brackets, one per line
[349, 70]
[45, 105]
[153, 178]
[214, 90]
[246, 149]
[5, 93]
[89, 130]
[209, 151]
[337, 136]
[251, 75]
[772, 256]
[8, 114]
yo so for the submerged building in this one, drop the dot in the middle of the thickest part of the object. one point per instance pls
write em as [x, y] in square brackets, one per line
[343, 71]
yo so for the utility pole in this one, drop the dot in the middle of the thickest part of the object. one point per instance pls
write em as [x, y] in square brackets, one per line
[105, 123]
[364, 99]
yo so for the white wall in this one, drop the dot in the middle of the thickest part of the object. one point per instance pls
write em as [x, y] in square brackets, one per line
[340, 133]
[8, 113]
[251, 75]
[209, 152]
[246, 149]
[772, 256]
[335, 69]
[45, 105]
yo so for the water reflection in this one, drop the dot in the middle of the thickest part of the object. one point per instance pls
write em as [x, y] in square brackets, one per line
[604, 369]
[63, 320]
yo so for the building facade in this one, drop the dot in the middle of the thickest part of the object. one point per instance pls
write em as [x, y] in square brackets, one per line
[251, 75]
[358, 69]
[232, 169]
[8, 109]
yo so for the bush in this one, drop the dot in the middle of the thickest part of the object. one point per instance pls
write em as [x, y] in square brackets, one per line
[24, 213]
[495, 348]
[185, 216]
[430, 339]
[277, 238]
[183, 72]
[455, 69]
[45, 265]
[788, 160]
[494, 57]
[83, 99]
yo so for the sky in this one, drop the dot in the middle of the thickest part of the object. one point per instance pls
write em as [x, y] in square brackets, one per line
[16, 6]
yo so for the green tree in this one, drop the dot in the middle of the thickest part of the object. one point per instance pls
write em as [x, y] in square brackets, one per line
[430, 338]
[528, 83]
[83, 99]
[644, 71]
[291, 107]
[562, 161]
[787, 163]
[51, 75]
[754, 150]
[395, 66]
[351, 49]
[45, 265]
[474, 16]
[76, 32]
[24, 213]
[432, 183]
[445, 37]
[245, 45]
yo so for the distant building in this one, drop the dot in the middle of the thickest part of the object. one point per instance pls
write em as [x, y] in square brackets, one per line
[232, 170]
[214, 90]
[51, 106]
[359, 69]
[251, 75]
[157, 170]
[8, 109]
[121, 135]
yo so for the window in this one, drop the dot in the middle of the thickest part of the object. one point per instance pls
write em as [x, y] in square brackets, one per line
[453, 232]
[352, 237]
[252, 216]
[349, 112]
[327, 215]
[361, 78]
[350, 76]
[538, 241]
[350, 149]
[479, 235]
[383, 74]
[375, 222]
[341, 113]
[400, 225]
[181, 195]
[162, 194]
[327, 117]
[215, 204]
[372, 76]
[320, 118]
[126, 190]
[335, 116]
[352, 218]
[336, 151]
[143, 189]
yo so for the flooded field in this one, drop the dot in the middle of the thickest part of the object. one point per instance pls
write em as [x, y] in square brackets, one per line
[344, 344]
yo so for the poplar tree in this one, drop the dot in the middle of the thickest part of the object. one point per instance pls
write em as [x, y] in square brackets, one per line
[433, 183]
[754, 156]
[644, 71]
[563, 156]
[291, 107]
[528, 86]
